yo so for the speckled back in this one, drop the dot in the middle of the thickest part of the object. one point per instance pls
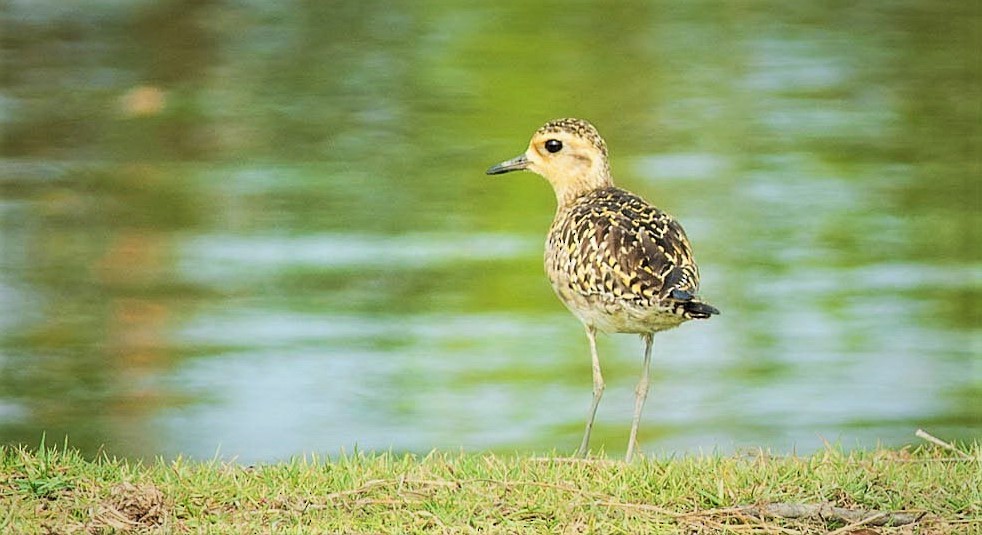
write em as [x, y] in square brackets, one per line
[613, 250]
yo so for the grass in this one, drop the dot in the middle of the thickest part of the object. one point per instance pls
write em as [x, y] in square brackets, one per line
[56, 490]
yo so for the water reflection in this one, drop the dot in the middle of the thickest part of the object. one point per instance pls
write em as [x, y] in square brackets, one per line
[264, 229]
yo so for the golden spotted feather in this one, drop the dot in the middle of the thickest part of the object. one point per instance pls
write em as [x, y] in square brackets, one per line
[622, 265]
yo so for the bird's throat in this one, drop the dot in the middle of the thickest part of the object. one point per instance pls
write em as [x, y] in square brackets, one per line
[572, 188]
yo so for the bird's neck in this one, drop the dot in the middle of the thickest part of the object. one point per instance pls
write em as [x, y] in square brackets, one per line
[572, 188]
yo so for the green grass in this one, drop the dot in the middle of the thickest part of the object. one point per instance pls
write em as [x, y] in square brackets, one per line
[47, 490]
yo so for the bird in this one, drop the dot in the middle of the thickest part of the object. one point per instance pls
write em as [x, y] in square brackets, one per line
[617, 262]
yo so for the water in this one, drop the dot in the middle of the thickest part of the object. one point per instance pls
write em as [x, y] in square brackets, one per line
[257, 230]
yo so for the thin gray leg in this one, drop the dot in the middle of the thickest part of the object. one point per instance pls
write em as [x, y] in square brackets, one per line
[640, 394]
[598, 390]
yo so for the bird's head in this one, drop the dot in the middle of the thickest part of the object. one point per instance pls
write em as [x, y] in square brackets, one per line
[569, 153]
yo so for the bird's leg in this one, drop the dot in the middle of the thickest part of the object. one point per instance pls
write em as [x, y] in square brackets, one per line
[640, 394]
[598, 390]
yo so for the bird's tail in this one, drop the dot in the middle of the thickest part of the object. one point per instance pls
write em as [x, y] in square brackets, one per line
[690, 306]
[698, 309]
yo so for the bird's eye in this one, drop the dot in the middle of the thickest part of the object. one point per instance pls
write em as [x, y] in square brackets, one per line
[554, 145]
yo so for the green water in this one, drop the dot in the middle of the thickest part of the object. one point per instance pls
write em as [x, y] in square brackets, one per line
[262, 229]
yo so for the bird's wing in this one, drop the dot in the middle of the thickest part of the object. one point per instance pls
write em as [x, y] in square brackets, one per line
[634, 250]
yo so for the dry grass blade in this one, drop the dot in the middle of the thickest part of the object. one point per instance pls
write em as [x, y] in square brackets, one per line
[920, 433]
[131, 506]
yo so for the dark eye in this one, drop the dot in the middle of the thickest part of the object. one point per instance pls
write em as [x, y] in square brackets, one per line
[554, 145]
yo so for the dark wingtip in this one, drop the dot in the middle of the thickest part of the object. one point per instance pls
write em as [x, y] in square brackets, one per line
[699, 310]
[692, 307]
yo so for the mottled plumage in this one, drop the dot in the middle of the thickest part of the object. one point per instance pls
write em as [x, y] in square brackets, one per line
[576, 127]
[617, 262]
[621, 264]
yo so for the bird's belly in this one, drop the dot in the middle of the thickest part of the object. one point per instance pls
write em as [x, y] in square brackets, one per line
[612, 315]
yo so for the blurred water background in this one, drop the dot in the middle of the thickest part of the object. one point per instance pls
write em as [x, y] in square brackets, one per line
[260, 229]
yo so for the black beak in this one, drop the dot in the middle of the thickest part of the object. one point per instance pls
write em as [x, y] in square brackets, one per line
[514, 164]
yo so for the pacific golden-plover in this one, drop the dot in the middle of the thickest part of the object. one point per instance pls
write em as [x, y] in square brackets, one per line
[618, 263]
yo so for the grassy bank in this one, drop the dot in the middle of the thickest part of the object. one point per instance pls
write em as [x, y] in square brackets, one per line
[928, 489]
